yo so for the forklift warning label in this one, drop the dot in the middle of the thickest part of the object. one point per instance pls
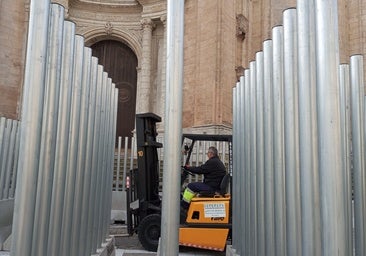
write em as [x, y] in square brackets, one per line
[214, 210]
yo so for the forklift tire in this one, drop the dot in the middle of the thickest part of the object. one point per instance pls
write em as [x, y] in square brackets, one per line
[149, 232]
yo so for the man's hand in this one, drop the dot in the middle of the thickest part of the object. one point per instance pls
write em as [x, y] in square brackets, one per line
[186, 170]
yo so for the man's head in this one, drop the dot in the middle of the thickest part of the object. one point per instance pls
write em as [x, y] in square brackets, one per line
[212, 152]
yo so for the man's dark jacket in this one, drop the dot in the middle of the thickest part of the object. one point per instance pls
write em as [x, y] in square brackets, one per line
[213, 171]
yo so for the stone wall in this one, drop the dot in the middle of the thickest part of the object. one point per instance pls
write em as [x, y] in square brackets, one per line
[13, 27]
[221, 38]
[209, 62]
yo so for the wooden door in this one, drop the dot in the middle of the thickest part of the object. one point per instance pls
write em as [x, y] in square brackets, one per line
[120, 62]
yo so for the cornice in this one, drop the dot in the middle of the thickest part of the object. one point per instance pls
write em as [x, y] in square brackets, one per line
[94, 34]
[149, 2]
[111, 3]
[153, 9]
[95, 15]
[107, 5]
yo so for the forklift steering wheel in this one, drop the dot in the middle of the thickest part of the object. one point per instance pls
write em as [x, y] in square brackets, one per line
[188, 172]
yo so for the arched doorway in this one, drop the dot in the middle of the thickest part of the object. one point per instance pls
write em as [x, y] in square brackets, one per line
[120, 62]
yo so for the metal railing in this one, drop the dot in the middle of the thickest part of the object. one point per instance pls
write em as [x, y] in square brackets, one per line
[126, 158]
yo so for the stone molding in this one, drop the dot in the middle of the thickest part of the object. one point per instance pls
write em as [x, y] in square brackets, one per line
[209, 129]
[96, 34]
[111, 3]
[120, 23]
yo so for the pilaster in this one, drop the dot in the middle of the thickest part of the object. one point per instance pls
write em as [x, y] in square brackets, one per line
[144, 85]
[162, 85]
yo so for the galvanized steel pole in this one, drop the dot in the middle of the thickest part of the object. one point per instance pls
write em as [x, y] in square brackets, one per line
[344, 91]
[101, 163]
[80, 171]
[358, 146]
[62, 140]
[309, 171]
[105, 169]
[119, 166]
[236, 168]
[2, 139]
[113, 127]
[259, 101]
[268, 148]
[12, 159]
[92, 218]
[33, 93]
[243, 242]
[253, 157]
[72, 151]
[278, 143]
[109, 156]
[246, 222]
[2, 129]
[15, 166]
[5, 157]
[293, 205]
[236, 163]
[49, 132]
[85, 245]
[329, 143]
[173, 128]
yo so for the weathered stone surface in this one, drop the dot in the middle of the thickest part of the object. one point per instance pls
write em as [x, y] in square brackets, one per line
[221, 38]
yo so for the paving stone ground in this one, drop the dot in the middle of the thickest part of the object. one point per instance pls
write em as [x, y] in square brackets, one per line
[130, 246]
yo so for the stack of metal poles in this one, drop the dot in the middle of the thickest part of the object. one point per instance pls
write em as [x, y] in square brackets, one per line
[67, 137]
[9, 148]
[297, 114]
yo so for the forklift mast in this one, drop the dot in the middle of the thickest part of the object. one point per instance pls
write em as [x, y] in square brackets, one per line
[208, 217]
[147, 176]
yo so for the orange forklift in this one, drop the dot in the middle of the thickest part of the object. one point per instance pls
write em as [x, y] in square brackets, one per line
[206, 224]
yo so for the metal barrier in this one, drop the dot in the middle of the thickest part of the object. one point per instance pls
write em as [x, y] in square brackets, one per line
[9, 148]
[297, 113]
[66, 145]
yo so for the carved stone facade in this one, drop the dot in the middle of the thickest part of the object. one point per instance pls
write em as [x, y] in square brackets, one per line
[221, 38]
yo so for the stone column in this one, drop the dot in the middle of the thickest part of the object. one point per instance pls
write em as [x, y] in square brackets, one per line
[145, 75]
[161, 101]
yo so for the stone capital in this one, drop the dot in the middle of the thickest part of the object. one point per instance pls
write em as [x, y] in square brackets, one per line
[147, 23]
[163, 19]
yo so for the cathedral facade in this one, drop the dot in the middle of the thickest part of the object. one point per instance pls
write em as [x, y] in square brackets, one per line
[129, 38]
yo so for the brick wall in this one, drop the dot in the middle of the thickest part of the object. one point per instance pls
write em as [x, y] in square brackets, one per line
[209, 62]
[12, 45]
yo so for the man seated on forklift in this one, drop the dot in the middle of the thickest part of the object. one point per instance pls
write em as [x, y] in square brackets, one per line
[213, 170]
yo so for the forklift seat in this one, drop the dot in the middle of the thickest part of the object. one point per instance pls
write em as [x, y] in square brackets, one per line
[224, 186]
